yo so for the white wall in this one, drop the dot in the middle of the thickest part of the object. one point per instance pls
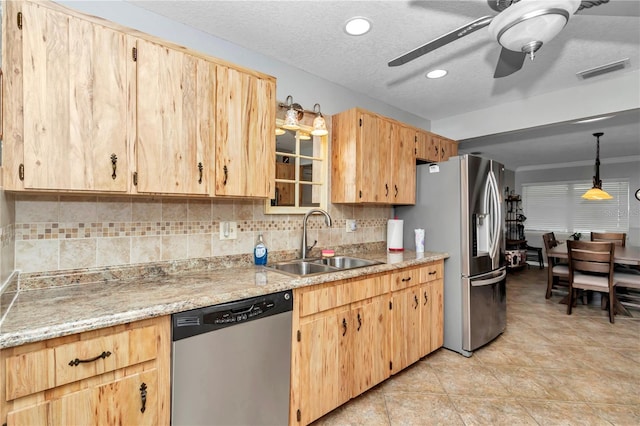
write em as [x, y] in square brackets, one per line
[589, 99]
[629, 170]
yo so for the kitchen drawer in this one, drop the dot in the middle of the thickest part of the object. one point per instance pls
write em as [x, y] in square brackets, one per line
[369, 287]
[43, 369]
[431, 272]
[323, 297]
[405, 279]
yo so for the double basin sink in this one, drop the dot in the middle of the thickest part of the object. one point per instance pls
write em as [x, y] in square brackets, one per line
[306, 267]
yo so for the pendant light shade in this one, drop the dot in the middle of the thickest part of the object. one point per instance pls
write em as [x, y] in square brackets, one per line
[596, 193]
[319, 125]
[291, 120]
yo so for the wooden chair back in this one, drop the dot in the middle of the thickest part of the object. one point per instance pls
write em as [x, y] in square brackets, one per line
[549, 240]
[619, 238]
[591, 256]
[591, 268]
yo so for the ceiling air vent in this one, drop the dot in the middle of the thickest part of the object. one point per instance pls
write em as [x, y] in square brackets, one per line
[603, 69]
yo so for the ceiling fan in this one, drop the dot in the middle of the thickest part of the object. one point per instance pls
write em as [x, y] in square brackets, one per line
[521, 27]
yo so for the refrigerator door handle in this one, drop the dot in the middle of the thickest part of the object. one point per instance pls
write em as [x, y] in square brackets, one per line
[495, 214]
[490, 281]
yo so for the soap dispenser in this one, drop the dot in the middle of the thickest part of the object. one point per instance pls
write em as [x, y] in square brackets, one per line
[260, 252]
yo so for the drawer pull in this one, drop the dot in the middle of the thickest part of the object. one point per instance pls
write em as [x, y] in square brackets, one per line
[432, 272]
[103, 355]
[406, 279]
[143, 396]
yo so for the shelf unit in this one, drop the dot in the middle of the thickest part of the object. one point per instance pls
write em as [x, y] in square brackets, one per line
[516, 243]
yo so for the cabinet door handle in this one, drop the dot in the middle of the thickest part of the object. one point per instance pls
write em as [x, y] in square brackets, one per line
[406, 279]
[426, 298]
[226, 173]
[415, 299]
[114, 165]
[359, 321]
[344, 326]
[396, 188]
[200, 168]
[386, 190]
[75, 362]
[143, 397]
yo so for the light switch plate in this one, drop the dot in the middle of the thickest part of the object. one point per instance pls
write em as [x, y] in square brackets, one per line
[351, 225]
[228, 230]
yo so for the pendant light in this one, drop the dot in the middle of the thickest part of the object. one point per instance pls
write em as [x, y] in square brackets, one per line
[596, 193]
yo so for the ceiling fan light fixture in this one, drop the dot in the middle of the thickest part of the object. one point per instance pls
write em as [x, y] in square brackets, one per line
[357, 26]
[436, 74]
[528, 24]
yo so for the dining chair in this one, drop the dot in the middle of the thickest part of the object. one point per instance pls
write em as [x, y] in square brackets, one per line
[556, 271]
[627, 279]
[591, 268]
[619, 238]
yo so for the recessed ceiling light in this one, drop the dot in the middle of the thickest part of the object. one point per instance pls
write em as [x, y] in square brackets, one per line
[357, 26]
[436, 73]
[591, 120]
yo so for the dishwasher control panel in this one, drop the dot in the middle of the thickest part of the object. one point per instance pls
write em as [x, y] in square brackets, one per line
[202, 320]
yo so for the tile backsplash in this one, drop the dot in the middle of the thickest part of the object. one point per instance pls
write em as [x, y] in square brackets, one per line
[65, 232]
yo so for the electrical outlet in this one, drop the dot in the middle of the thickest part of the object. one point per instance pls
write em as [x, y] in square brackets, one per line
[228, 230]
[351, 225]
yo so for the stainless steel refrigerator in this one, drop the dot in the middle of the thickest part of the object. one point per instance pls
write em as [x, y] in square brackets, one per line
[459, 205]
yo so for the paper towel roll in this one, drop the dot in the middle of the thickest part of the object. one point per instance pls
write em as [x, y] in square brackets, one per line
[394, 235]
[419, 240]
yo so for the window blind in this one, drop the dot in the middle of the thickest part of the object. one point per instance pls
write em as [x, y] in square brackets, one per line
[559, 207]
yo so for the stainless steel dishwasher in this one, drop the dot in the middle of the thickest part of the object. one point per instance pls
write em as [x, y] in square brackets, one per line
[231, 363]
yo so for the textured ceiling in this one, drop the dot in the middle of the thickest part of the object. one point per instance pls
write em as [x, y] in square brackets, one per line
[309, 35]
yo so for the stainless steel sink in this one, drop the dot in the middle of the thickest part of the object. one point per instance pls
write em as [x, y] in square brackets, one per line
[301, 268]
[346, 262]
[320, 266]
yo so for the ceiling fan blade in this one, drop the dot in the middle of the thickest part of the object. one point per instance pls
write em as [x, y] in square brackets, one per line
[441, 41]
[509, 62]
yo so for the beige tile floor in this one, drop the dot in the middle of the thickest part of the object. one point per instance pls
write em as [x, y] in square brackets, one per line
[547, 368]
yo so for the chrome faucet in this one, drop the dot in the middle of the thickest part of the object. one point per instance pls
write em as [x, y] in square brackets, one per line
[327, 220]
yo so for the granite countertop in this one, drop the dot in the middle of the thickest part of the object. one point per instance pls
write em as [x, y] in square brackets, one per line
[45, 313]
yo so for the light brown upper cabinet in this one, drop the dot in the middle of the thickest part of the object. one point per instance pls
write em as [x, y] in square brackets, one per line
[175, 120]
[431, 147]
[65, 108]
[93, 107]
[373, 159]
[245, 134]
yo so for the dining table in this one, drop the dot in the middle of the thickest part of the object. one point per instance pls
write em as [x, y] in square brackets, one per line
[627, 255]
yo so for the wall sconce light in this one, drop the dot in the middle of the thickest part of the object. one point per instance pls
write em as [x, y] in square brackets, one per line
[293, 115]
[319, 125]
[304, 136]
[596, 193]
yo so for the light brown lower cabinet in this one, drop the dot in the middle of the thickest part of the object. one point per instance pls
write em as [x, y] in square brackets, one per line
[116, 375]
[350, 335]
